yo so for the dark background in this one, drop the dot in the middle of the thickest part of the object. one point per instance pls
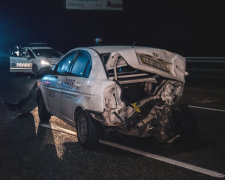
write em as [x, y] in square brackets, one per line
[185, 27]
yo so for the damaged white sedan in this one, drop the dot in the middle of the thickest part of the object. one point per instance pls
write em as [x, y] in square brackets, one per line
[132, 90]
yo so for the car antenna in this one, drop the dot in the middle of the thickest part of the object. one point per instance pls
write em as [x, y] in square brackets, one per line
[98, 40]
[134, 43]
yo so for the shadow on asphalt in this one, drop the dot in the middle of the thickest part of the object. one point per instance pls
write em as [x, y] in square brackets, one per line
[26, 154]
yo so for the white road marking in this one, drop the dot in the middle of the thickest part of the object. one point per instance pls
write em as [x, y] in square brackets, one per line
[164, 159]
[210, 109]
[59, 129]
[146, 154]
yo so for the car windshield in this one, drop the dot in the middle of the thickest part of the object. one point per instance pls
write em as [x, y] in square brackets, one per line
[120, 70]
[49, 53]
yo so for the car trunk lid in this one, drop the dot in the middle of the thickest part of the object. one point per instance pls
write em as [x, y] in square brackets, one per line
[152, 60]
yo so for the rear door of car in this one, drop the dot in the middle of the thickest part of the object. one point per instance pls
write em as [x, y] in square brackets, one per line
[74, 87]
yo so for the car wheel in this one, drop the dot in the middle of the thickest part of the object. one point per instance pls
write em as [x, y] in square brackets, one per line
[86, 130]
[35, 71]
[44, 115]
[180, 123]
[184, 123]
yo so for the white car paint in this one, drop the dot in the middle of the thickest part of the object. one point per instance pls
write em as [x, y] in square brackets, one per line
[99, 93]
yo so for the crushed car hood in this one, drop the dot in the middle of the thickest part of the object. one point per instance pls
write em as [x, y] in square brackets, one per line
[157, 61]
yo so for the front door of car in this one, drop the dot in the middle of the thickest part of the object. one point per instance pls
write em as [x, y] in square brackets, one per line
[30, 56]
[53, 94]
[74, 89]
[20, 61]
[56, 83]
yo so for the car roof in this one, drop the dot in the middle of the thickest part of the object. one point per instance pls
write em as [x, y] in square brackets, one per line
[109, 49]
[39, 44]
[38, 47]
[41, 48]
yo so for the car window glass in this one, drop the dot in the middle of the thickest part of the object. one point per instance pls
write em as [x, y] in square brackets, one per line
[16, 51]
[82, 65]
[123, 70]
[23, 52]
[30, 53]
[105, 57]
[48, 53]
[64, 65]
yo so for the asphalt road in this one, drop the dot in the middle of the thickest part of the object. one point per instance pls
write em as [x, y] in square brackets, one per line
[30, 151]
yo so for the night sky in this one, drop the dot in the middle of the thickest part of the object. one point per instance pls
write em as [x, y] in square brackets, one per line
[180, 26]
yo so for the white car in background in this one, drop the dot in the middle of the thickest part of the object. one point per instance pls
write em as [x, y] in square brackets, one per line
[36, 58]
[132, 90]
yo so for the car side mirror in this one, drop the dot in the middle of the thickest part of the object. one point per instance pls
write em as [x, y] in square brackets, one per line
[15, 51]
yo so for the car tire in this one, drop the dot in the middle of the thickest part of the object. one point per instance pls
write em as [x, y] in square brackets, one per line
[35, 71]
[86, 130]
[180, 124]
[184, 123]
[44, 115]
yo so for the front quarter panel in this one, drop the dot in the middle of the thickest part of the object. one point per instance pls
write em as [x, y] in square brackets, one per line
[43, 86]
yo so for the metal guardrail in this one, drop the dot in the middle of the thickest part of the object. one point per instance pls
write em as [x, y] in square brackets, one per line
[205, 59]
[206, 64]
[208, 67]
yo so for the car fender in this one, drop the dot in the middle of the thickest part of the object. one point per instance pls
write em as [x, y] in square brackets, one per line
[37, 63]
[76, 109]
[40, 91]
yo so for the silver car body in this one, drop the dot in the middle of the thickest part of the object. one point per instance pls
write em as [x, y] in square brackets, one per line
[25, 61]
[101, 93]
